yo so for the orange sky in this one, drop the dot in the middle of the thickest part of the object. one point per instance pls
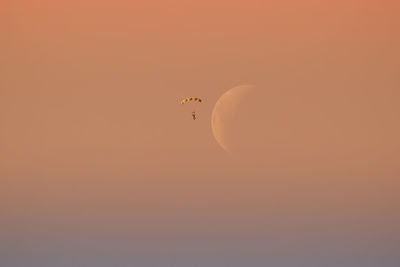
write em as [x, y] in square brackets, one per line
[100, 165]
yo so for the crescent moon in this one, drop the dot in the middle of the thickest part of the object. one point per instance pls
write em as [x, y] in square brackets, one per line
[224, 112]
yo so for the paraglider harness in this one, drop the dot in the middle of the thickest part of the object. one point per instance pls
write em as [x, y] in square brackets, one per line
[194, 115]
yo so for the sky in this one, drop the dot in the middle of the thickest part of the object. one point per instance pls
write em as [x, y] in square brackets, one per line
[101, 166]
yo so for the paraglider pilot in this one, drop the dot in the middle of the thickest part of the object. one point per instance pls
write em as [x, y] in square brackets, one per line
[191, 99]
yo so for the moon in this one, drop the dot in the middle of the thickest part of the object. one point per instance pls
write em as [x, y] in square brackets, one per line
[224, 113]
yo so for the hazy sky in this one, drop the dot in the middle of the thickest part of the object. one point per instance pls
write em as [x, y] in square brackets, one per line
[101, 166]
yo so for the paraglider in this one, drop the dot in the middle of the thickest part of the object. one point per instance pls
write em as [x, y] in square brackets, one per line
[195, 100]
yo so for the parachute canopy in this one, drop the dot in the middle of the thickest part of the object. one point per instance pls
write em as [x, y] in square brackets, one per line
[190, 99]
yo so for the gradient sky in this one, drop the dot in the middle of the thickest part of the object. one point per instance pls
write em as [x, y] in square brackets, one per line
[101, 166]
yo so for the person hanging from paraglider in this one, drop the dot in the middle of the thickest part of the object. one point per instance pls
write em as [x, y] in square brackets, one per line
[193, 100]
